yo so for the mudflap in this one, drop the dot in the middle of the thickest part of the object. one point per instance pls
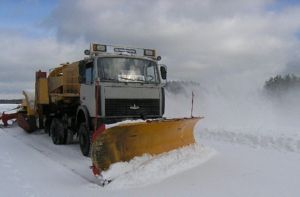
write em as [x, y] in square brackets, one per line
[125, 141]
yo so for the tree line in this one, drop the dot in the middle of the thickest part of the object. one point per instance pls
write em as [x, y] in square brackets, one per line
[281, 84]
[177, 87]
[10, 101]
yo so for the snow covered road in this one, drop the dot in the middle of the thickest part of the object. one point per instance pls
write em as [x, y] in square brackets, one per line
[240, 170]
[30, 165]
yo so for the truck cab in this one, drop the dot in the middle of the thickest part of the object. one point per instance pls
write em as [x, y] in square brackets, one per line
[118, 83]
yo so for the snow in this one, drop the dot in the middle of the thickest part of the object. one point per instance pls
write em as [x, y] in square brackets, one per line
[30, 165]
[30, 98]
[256, 139]
[33, 165]
[107, 126]
[233, 157]
[7, 108]
[140, 170]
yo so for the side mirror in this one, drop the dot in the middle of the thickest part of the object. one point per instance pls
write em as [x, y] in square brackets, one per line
[163, 72]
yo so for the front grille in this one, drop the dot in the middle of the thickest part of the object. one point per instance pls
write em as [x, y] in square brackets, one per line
[124, 107]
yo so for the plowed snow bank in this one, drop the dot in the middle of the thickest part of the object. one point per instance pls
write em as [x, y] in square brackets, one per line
[148, 169]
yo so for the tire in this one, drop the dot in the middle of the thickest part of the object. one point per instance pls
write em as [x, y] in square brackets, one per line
[84, 139]
[57, 131]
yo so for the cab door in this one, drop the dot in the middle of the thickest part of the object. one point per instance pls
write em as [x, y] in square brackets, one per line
[87, 89]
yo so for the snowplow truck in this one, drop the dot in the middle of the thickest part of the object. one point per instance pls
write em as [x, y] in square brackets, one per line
[110, 85]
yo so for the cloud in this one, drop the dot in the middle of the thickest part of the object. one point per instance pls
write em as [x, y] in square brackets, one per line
[194, 37]
[208, 41]
[21, 56]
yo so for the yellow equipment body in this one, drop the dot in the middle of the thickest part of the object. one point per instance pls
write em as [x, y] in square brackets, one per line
[125, 141]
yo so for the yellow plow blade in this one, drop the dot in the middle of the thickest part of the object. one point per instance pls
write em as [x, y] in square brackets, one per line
[124, 142]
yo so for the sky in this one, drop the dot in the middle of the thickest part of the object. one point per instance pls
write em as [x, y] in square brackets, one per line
[213, 42]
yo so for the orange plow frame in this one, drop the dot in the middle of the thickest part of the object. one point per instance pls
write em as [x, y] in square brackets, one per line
[125, 141]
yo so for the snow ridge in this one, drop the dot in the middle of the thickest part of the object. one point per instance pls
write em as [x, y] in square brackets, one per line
[147, 169]
[281, 142]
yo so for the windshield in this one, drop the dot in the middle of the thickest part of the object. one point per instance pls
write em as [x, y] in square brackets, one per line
[127, 70]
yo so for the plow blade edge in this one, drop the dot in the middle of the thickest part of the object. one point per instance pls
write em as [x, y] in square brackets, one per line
[124, 142]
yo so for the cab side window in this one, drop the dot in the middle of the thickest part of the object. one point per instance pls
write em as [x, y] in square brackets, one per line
[89, 73]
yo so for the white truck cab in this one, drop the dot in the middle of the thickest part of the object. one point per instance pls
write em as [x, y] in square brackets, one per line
[120, 83]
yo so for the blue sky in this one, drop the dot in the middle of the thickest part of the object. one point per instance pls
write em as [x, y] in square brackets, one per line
[281, 4]
[25, 15]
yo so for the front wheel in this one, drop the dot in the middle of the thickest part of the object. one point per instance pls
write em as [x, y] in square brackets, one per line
[84, 139]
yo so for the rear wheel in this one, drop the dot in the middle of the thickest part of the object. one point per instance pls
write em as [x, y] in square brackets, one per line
[84, 139]
[57, 131]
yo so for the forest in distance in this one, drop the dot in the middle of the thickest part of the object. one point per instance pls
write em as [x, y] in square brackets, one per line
[278, 85]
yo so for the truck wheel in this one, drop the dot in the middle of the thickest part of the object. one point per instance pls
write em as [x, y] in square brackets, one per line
[84, 139]
[57, 132]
